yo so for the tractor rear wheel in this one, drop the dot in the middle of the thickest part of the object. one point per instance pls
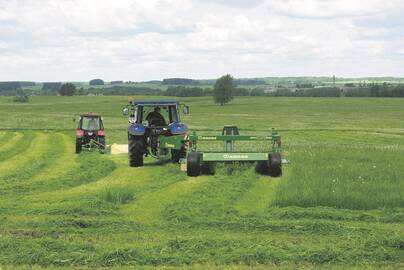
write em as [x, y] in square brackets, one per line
[275, 165]
[176, 154]
[78, 146]
[135, 149]
[194, 164]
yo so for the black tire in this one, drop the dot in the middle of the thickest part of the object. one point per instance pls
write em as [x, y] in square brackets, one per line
[275, 165]
[135, 150]
[176, 155]
[101, 141]
[194, 164]
[78, 146]
[208, 168]
[262, 167]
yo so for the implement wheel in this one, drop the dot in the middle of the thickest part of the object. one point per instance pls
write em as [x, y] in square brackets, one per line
[78, 146]
[194, 164]
[135, 150]
[275, 165]
[208, 168]
[262, 167]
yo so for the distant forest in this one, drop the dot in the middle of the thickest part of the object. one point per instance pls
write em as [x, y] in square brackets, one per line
[181, 87]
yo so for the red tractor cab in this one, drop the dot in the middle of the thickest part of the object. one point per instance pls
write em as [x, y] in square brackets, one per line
[90, 132]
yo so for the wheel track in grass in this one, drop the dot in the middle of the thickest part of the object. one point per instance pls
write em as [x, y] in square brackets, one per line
[12, 165]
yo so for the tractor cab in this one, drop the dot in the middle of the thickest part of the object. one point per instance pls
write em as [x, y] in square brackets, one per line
[155, 129]
[90, 122]
[90, 132]
[156, 115]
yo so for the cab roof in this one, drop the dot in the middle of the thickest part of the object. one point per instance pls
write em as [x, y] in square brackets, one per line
[90, 114]
[155, 103]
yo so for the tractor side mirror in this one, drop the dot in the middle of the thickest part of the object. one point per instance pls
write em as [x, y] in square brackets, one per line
[185, 110]
[125, 111]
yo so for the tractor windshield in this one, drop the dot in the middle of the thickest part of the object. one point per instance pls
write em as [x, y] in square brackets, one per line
[91, 123]
[156, 115]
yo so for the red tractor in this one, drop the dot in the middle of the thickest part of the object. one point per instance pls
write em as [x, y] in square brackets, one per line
[90, 132]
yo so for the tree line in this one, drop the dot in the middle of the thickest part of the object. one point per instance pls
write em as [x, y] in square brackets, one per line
[10, 88]
[224, 89]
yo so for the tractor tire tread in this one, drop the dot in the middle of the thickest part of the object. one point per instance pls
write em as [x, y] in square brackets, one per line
[135, 150]
[194, 164]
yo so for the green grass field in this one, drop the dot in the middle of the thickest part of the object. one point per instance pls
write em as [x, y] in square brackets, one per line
[339, 204]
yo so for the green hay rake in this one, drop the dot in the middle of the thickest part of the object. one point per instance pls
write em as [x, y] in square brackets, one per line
[203, 161]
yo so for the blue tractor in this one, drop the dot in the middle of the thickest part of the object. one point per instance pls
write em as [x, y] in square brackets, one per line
[155, 129]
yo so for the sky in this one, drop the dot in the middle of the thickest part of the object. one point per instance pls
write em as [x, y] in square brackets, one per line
[140, 40]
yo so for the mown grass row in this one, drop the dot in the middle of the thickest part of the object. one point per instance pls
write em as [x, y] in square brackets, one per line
[16, 143]
[91, 168]
[46, 168]
[57, 159]
[94, 185]
[5, 137]
[32, 161]
[22, 153]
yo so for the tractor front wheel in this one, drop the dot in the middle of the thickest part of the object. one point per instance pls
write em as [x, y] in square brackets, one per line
[194, 164]
[78, 146]
[135, 149]
[275, 165]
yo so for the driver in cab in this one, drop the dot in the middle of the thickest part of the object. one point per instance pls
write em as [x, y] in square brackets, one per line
[92, 124]
[155, 118]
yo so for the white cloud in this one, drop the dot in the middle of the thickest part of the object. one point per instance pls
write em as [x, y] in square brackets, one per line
[140, 40]
[328, 9]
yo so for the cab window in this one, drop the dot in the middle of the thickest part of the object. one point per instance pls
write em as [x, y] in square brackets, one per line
[90, 123]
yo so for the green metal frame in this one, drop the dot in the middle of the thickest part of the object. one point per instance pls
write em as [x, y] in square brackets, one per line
[172, 142]
[229, 153]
